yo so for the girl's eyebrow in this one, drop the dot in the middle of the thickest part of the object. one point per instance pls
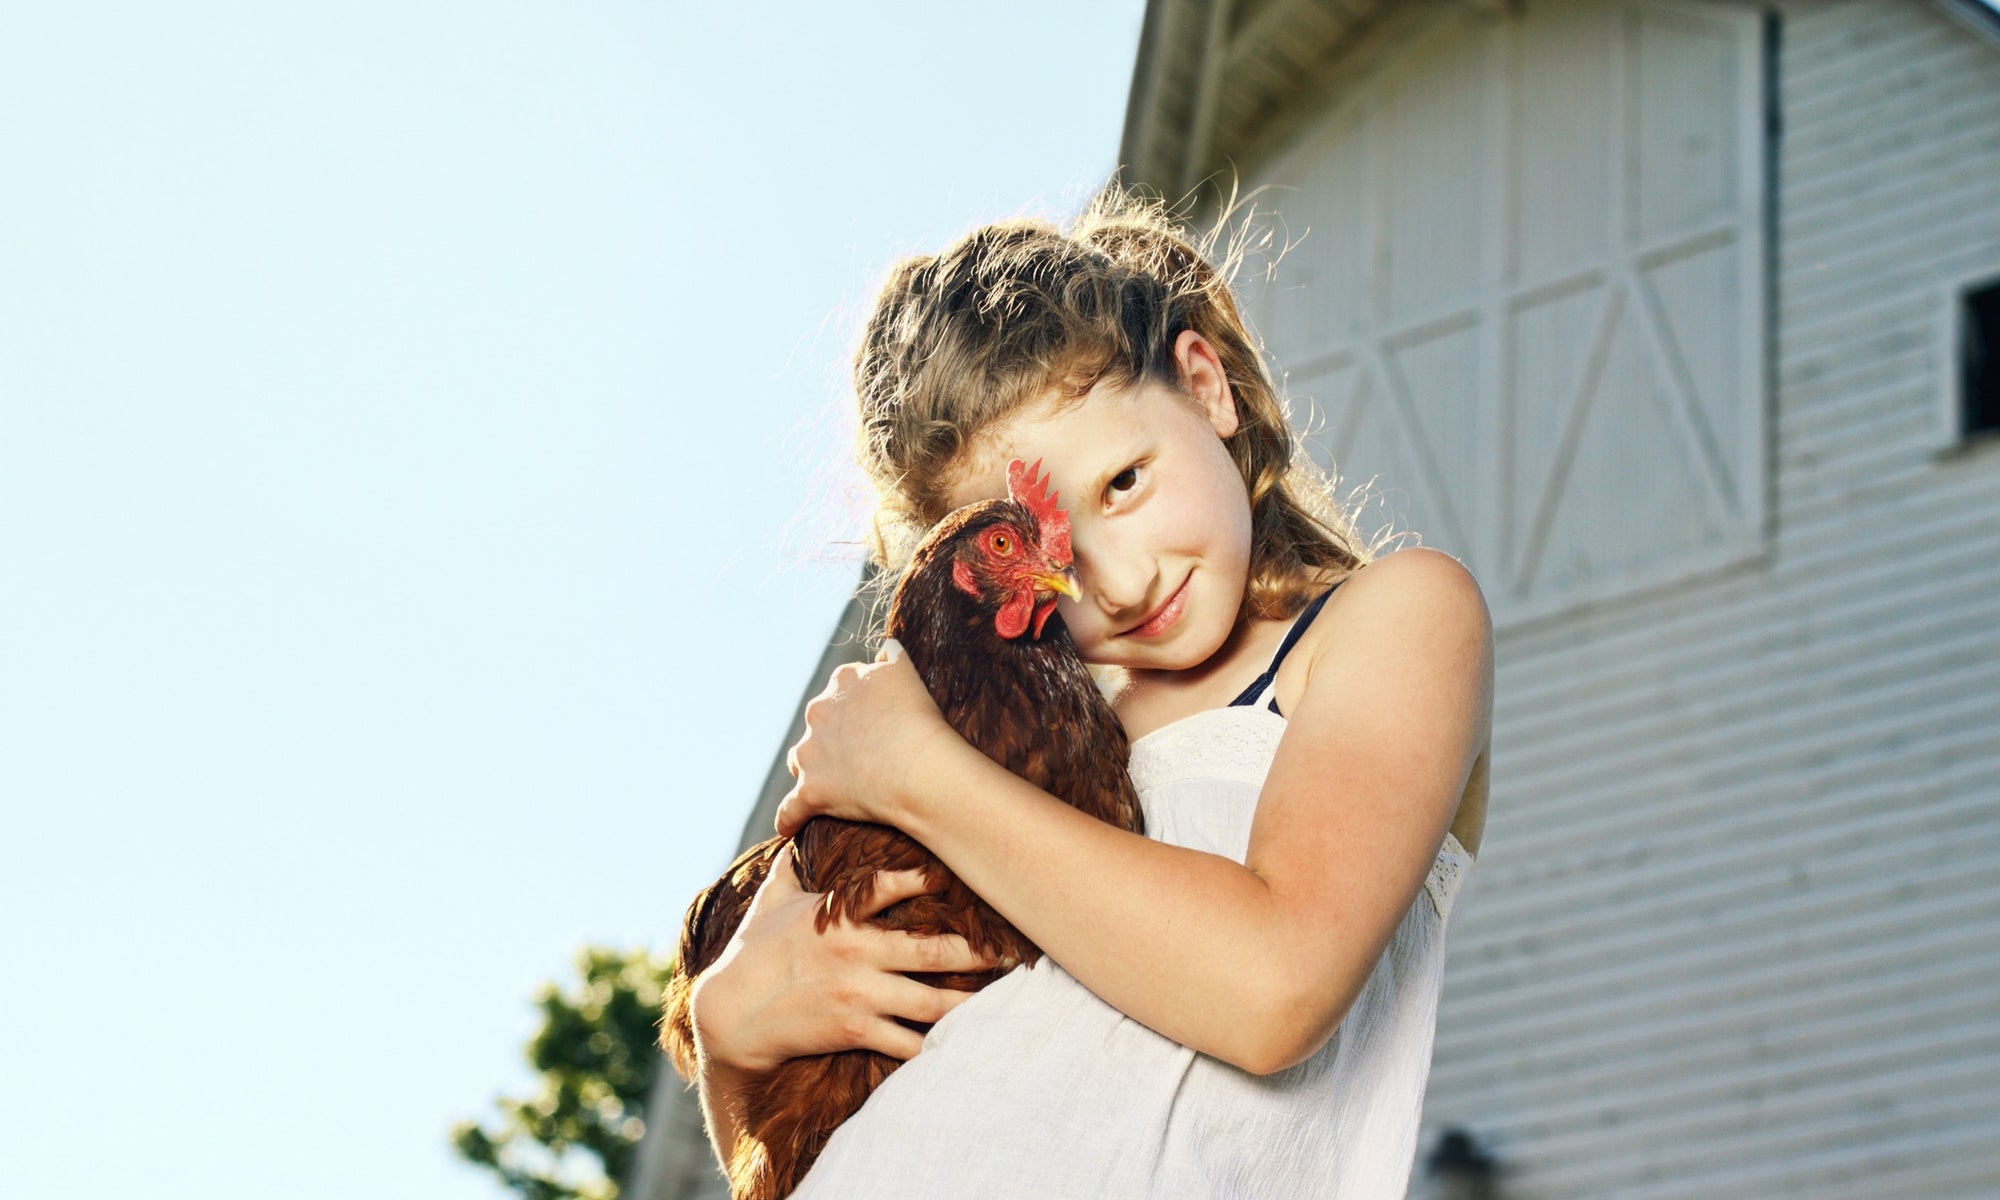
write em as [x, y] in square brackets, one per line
[1121, 462]
[1104, 479]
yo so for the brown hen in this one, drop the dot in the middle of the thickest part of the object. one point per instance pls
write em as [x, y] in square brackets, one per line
[974, 613]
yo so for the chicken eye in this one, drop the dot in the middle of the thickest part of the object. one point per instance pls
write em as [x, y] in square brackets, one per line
[1002, 544]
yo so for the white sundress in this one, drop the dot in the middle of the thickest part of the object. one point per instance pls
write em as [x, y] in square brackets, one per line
[1035, 1088]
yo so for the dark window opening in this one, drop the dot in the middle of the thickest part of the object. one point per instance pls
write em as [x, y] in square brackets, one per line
[1979, 359]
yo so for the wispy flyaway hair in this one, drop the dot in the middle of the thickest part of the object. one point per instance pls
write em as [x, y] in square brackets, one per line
[1022, 312]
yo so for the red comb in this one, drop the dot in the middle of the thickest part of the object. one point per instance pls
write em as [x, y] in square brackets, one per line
[1028, 487]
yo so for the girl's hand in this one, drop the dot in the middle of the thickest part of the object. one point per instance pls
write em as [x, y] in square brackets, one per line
[782, 989]
[866, 736]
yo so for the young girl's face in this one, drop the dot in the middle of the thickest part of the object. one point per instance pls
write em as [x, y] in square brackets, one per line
[1159, 517]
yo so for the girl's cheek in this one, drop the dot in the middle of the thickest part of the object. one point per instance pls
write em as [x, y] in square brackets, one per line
[1081, 630]
[1086, 628]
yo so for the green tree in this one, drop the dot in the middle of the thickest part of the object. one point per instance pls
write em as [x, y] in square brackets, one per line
[575, 1138]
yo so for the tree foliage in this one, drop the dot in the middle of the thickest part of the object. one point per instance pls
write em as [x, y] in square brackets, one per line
[575, 1138]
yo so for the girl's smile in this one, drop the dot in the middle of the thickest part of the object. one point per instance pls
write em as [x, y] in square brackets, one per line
[1164, 619]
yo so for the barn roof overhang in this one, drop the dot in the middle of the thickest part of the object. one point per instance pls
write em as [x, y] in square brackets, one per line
[1982, 16]
[1213, 82]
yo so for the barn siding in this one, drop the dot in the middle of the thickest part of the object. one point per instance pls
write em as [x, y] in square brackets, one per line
[1737, 930]
[1541, 323]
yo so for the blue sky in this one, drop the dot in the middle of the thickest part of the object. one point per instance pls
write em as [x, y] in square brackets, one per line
[422, 494]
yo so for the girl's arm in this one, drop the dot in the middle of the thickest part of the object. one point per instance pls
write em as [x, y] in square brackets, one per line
[782, 989]
[1253, 963]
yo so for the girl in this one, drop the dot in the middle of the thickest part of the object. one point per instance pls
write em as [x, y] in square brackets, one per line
[1241, 1003]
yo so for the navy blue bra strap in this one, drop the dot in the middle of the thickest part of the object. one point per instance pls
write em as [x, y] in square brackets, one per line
[1257, 686]
[1298, 629]
[1249, 694]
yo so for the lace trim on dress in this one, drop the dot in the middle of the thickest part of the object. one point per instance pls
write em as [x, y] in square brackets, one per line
[1216, 743]
[1448, 874]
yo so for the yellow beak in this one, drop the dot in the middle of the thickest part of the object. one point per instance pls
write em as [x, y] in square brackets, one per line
[1062, 583]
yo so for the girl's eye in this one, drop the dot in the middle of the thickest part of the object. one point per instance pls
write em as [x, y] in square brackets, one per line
[1124, 481]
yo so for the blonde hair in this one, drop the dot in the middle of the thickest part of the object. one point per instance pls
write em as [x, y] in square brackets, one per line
[1022, 311]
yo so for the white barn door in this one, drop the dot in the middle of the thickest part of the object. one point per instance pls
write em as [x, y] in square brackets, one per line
[1529, 297]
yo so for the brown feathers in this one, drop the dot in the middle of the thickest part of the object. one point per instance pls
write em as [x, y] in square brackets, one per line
[1027, 702]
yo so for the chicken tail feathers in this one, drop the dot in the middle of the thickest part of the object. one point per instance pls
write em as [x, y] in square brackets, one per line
[750, 1173]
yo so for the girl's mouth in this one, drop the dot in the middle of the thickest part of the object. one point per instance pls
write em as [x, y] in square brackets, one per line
[1163, 619]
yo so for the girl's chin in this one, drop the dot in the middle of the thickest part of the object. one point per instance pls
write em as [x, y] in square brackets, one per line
[1181, 652]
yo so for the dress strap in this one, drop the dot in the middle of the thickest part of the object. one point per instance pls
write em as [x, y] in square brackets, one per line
[1262, 683]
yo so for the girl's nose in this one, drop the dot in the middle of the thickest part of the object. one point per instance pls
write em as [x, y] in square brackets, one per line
[1118, 583]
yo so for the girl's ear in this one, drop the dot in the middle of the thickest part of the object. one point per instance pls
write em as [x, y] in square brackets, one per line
[1204, 379]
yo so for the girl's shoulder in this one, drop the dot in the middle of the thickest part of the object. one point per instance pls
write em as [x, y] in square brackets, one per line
[1410, 624]
[1416, 574]
[1417, 595]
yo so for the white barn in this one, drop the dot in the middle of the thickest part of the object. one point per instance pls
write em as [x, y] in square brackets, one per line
[1670, 318]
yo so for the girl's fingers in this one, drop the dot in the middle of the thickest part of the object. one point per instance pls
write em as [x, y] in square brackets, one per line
[894, 886]
[897, 1041]
[783, 877]
[949, 999]
[791, 813]
[945, 953]
[913, 1001]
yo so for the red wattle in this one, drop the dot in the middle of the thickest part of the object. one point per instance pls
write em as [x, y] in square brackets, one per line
[1042, 616]
[1015, 614]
